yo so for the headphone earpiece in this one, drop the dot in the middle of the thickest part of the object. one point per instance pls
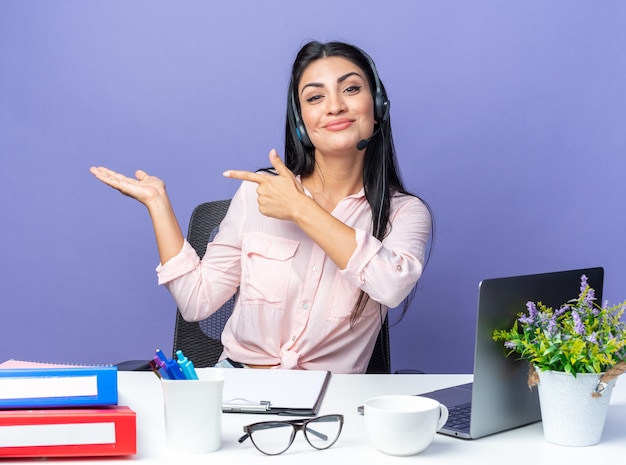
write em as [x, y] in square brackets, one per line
[381, 102]
[381, 105]
[300, 129]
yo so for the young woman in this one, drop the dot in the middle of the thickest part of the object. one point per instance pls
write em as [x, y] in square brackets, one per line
[320, 245]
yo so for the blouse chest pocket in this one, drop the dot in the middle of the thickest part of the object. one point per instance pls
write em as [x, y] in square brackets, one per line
[266, 268]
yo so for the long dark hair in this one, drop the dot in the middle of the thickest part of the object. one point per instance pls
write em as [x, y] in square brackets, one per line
[381, 178]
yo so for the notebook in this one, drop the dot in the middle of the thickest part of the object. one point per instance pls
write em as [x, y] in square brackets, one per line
[499, 398]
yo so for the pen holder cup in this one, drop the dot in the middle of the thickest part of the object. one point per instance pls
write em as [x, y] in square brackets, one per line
[193, 412]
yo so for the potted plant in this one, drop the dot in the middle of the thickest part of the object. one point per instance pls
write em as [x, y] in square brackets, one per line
[575, 353]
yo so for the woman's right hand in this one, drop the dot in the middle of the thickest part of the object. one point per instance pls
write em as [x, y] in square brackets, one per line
[144, 188]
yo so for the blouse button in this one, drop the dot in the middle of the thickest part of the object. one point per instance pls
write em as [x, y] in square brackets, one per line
[305, 306]
[398, 268]
[316, 268]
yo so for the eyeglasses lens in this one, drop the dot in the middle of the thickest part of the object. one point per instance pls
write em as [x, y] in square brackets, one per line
[322, 432]
[272, 438]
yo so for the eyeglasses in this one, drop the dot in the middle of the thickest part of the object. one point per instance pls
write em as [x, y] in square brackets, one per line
[275, 437]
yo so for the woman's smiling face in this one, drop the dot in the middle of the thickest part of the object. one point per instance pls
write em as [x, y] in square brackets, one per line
[336, 104]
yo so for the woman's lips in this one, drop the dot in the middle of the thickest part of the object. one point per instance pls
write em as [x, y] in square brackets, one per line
[338, 125]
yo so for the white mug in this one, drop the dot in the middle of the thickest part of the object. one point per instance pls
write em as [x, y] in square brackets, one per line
[403, 424]
[193, 412]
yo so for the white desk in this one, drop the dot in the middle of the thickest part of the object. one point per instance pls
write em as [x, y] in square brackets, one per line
[142, 392]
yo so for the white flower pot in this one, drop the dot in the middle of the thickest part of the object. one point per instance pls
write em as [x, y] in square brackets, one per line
[571, 416]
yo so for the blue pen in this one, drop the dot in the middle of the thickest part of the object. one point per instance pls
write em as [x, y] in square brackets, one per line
[171, 366]
[186, 365]
[159, 353]
[175, 370]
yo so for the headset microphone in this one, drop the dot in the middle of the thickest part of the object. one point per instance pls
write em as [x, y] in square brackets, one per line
[385, 116]
[363, 142]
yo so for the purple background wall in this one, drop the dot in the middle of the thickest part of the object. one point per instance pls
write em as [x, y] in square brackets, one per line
[509, 118]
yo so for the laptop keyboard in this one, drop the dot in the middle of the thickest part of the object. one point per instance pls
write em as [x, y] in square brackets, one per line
[459, 417]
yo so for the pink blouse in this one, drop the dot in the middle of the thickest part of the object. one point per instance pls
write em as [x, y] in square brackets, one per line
[294, 304]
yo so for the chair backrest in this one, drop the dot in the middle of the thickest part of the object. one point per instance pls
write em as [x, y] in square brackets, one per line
[201, 340]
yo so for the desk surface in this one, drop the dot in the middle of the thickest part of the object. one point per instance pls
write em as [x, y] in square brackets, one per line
[142, 392]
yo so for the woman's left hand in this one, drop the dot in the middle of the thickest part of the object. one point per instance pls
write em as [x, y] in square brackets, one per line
[278, 196]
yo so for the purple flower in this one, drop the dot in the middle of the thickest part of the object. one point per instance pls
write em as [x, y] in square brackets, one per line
[593, 338]
[532, 312]
[526, 320]
[586, 292]
[579, 327]
[564, 308]
[583, 283]
[510, 345]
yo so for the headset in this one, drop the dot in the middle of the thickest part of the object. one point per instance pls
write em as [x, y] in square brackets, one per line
[381, 107]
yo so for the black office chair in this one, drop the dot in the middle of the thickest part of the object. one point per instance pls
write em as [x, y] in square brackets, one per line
[200, 341]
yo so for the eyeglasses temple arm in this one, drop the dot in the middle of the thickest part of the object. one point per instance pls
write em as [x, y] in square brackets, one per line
[317, 433]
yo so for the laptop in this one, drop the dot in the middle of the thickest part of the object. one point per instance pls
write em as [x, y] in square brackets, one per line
[499, 398]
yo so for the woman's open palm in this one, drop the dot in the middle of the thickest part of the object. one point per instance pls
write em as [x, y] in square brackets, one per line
[143, 187]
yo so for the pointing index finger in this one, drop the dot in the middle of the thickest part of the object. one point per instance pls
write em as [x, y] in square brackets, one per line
[243, 175]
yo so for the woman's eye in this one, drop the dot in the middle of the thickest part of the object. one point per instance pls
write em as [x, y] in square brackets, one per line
[313, 98]
[353, 89]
